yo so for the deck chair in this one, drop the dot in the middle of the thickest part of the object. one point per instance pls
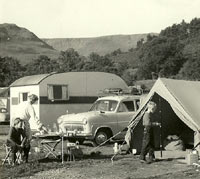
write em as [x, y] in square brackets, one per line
[70, 151]
[7, 158]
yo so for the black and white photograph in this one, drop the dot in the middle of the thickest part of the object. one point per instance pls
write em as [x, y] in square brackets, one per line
[99, 89]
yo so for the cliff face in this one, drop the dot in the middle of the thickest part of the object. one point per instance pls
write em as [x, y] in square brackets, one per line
[101, 45]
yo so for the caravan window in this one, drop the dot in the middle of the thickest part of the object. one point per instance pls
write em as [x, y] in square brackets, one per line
[58, 92]
[23, 96]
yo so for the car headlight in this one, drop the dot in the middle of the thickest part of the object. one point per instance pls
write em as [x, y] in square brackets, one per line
[85, 121]
[60, 120]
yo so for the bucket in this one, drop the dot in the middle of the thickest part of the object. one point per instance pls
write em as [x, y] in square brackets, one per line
[116, 148]
[195, 152]
[134, 151]
[192, 158]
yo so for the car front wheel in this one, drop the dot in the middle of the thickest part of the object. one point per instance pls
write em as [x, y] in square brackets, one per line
[101, 137]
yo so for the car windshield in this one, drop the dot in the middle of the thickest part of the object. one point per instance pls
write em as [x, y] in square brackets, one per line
[104, 105]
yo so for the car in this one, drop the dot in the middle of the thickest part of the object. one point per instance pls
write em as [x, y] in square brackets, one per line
[4, 121]
[108, 116]
[4, 115]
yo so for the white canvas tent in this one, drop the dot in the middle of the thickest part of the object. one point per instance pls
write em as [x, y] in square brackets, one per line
[178, 111]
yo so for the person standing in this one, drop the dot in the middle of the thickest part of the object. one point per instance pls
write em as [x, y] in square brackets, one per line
[148, 136]
[26, 112]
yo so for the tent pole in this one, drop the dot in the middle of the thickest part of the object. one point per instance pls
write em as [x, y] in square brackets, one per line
[160, 111]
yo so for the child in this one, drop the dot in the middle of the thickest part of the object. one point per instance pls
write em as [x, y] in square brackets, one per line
[148, 136]
[17, 140]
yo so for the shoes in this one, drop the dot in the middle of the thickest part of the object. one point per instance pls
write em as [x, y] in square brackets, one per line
[143, 161]
[151, 159]
[148, 162]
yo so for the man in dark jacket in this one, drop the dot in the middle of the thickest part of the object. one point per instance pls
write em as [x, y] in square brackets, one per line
[148, 136]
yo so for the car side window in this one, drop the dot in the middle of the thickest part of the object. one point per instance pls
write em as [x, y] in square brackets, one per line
[113, 105]
[122, 108]
[104, 105]
[129, 105]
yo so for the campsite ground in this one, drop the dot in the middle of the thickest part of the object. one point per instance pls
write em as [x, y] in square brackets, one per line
[98, 165]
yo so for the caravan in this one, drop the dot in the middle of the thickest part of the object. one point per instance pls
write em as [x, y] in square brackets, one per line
[61, 93]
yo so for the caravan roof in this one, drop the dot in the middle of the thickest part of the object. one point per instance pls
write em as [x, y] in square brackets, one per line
[29, 80]
[37, 79]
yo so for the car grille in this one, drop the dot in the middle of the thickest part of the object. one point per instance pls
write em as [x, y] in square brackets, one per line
[74, 127]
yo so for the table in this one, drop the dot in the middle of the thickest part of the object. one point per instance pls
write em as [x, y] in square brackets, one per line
[50, 141]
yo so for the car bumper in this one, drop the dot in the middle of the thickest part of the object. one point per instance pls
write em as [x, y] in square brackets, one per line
[83, 136]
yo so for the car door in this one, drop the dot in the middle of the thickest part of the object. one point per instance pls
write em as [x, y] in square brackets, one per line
[107, 116]
[125, 113]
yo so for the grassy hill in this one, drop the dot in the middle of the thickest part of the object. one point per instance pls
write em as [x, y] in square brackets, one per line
[22, 44]
[101, 45]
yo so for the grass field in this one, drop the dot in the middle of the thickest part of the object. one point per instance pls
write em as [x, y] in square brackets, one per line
[97, 165]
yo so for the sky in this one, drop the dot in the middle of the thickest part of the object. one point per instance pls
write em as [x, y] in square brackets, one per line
[94, 18]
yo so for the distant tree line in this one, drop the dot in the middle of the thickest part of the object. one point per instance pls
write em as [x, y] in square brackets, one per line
[68, 60]
[174, 53]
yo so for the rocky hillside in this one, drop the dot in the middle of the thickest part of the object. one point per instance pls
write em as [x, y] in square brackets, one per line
[22, 44]
[101, 45]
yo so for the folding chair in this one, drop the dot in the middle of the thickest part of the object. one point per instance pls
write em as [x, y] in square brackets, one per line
[8, 151]
[7, 157]
[70, 151]
[50, 147]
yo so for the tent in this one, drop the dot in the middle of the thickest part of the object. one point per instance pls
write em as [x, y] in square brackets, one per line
[178, 111]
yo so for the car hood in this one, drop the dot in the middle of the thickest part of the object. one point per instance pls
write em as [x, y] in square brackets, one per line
[79, 117]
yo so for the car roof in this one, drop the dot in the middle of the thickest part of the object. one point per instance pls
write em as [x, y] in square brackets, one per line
[120, 97]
